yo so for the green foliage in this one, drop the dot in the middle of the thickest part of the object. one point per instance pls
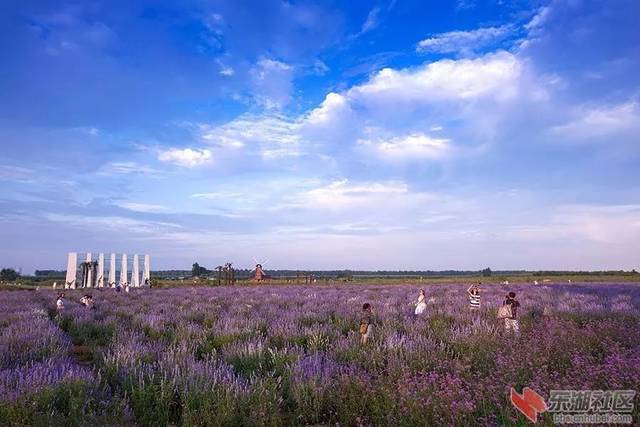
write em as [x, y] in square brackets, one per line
[8, 275]
[94, 334]
[197, 270]
[67, 404]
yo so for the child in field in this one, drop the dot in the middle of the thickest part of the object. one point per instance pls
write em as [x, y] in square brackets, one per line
[474, 297]
[60, 302]
[511, 323]
[421, 306]
[366, 323]
[87, 301]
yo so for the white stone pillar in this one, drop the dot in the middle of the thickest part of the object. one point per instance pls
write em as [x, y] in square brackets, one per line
[123, 270]
[72, 269]
[135, 272]
[89, 271]
[146, 274]
[112, 271]
[100, 281]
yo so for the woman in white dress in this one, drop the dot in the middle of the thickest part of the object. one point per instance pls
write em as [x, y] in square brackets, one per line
[421, 306]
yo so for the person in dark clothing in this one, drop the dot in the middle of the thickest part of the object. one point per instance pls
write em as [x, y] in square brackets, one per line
[511, 323]
[366, 323]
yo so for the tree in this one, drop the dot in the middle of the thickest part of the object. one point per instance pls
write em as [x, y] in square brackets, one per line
[8, 275]
[486, 272]
[197, 270]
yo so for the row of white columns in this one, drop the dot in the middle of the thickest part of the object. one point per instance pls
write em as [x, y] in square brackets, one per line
[98, 281]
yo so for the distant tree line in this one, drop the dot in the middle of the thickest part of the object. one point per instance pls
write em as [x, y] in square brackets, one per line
[243, 273]
[8, 275]
[586, 273]
[52, 274]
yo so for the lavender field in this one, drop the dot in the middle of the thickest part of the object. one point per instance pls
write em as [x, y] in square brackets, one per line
[290, 355]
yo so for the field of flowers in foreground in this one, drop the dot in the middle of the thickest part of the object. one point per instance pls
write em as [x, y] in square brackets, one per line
[290, 355]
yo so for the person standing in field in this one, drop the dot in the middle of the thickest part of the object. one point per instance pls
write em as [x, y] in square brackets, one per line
[421, 306]
[511, 322]
[474, 297]
[366, 323]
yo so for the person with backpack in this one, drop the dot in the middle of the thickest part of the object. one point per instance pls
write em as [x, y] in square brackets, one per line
[509, 312]
[474, 297]
[366, 323]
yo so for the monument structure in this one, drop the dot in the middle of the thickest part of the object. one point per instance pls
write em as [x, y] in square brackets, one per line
[90, 273]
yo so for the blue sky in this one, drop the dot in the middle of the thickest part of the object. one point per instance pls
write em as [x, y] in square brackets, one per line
[370, 135]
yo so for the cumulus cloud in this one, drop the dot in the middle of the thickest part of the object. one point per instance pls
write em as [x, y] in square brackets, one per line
[465, 42]
[395, 111]
[187, 157]
[334, 107]
[493, 75]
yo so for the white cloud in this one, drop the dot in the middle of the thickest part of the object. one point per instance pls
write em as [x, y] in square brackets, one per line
[319, 67]
[118, 168]
[331, 109]
[226, 70]
[217, 195]
[16, 173]
[371, 21]
[187, 157]
[268, 136]
[464, 42]
[119, 223]
[144, 207]
[467, 96]
[602, 224]
[491, 75]
[272, 83]
[416, 146]
[593, 123]
[539, 19]
[343, 194]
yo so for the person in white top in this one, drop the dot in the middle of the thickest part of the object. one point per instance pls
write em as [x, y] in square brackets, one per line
[421, 306]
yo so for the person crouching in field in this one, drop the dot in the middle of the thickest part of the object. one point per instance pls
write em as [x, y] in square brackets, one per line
[509, 312]
[60, 302]
[474, 297]
[366, 323]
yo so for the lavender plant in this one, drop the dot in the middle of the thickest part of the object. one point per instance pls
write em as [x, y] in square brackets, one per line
[291, 355]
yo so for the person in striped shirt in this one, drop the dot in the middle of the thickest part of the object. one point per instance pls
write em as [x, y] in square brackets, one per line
[474, 297]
